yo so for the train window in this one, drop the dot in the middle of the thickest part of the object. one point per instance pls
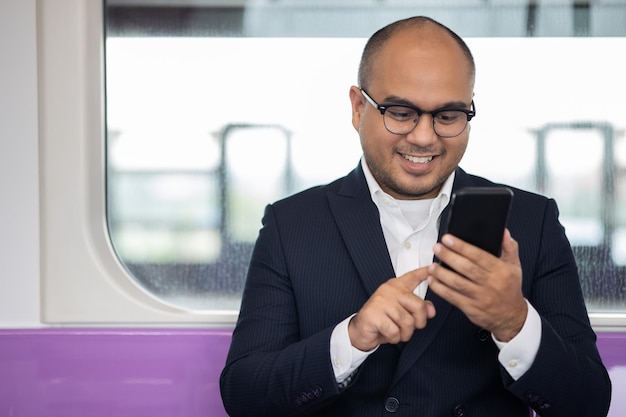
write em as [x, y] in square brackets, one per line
[216, 108]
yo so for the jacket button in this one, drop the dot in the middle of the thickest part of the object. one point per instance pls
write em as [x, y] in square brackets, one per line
[537, 402]
[392, 404]
[482, 335]
[532, 398]
[459, 411]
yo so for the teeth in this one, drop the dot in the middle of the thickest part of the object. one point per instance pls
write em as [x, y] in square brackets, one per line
[418, 160]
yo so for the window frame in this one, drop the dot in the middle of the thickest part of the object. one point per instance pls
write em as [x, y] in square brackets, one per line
[82, 281]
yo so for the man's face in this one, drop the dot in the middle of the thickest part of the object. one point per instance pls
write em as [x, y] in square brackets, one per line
[427, 70]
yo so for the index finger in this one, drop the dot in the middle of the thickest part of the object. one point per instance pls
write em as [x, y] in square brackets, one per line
[471, 252]
[412, 279]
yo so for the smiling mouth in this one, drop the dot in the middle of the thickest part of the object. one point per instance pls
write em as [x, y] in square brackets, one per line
[418, 159]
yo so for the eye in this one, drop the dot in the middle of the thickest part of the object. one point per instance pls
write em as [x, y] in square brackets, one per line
[401, 113]
[449, 116]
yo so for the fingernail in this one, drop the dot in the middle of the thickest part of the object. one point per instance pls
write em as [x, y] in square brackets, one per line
[448, 240]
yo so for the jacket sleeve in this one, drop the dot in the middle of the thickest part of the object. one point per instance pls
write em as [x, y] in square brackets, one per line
[567, 377]
[270, 370]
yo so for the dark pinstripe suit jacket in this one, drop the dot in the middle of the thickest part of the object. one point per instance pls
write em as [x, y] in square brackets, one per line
[321, 254]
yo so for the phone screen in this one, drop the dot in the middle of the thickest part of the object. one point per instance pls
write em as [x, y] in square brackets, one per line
[478, 215]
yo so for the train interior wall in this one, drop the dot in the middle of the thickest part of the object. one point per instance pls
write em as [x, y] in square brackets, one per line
[48, 371]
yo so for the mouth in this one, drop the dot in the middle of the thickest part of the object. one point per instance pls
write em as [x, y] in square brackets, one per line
[418, 159]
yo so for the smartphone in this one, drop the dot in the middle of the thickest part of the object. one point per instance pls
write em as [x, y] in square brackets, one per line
[478, 215]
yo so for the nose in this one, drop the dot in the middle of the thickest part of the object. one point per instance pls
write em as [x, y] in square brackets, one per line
[423, 134]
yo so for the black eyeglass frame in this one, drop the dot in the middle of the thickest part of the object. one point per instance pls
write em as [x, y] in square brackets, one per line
[382, 108]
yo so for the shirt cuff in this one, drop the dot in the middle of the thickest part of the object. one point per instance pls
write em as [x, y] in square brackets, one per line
[345, 358]
[519, 353]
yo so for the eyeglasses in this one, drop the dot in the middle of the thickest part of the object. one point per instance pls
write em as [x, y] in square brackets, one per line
[401, 119]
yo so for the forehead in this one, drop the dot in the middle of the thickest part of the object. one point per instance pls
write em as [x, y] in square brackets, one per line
[426, 61]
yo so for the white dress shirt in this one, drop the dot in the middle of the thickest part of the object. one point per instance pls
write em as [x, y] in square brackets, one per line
[410, 228]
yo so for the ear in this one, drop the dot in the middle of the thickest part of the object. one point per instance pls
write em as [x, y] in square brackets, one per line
[358, 106]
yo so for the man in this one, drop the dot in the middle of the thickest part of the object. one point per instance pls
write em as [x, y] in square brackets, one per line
[326, 330]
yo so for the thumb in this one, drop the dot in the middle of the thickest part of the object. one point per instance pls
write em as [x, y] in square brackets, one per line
[509, 248]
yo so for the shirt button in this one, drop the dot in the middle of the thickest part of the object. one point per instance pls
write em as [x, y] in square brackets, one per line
[392, 404]
[512, 363]
[336, 362]
[407, 245]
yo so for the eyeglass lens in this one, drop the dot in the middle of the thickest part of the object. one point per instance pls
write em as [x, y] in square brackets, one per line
[402, 120]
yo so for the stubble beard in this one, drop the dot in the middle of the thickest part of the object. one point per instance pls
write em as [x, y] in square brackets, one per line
[419, 190]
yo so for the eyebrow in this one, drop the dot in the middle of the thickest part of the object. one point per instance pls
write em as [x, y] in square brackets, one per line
[395, 100]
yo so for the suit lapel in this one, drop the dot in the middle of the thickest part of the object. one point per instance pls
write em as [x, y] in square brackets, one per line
[358, 220]
[421, 339]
